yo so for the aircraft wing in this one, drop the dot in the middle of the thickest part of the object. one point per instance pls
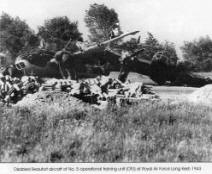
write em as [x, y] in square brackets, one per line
[105, 43]
[101, 46]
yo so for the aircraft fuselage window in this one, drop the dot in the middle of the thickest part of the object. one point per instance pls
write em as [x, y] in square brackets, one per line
[20, 66]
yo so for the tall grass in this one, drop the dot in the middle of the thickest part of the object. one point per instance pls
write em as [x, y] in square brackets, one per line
[147, 132]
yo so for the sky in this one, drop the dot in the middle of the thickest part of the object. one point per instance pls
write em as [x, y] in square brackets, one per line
[173, 20]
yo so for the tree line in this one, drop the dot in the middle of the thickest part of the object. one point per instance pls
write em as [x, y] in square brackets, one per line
[16, 36]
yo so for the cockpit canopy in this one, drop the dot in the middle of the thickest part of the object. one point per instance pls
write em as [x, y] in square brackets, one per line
[20, 65]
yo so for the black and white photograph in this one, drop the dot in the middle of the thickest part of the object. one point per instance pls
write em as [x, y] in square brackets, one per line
[106, 81]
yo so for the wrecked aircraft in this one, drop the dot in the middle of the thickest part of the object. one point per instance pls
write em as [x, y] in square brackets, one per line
[99, 59]
[160, 70]
[84, 63]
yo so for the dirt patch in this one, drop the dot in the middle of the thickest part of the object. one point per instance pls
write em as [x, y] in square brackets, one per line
[52, 98]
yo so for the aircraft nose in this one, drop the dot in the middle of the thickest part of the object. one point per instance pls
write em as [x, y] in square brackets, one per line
[20, 65]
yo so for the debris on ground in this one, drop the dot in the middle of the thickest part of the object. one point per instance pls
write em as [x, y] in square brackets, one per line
[98, 91]
[102, 89]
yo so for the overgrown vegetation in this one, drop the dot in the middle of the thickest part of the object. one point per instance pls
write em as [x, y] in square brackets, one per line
[147, 132]
[58, 31]
[54, 34]
[199, 53]
[15, 34]
[100, 21]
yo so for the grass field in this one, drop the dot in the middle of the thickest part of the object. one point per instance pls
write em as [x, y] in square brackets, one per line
[147, 132]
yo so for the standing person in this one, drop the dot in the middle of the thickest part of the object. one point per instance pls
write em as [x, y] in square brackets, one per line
[115, 31]
[42, 44]
[64, 59]
[124, 71]
[61, 57]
